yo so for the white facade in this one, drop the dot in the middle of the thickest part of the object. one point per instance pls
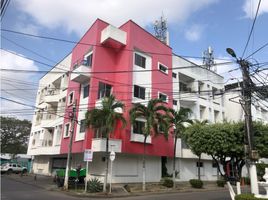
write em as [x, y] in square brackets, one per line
[199, 89]
[235, 112]
[45, 138]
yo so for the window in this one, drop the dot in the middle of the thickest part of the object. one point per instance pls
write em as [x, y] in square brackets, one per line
[71, 98]
[139, 92]
[200, 164]
[163, 97]
[175, 102]
[88, 60]
[67, 130]
[214, 91]
[85, 90]
[214, 168]
[162, 68]
[104, 90]
[82, 126]
[140, 60]
[174, 75]
[183, 87]
[138, 127]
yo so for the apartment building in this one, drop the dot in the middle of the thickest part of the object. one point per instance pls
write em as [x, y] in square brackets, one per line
[259, 107]
[134, 66]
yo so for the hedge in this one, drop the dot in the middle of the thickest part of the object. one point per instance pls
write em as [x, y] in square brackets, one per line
[195, 183]
[247, 197]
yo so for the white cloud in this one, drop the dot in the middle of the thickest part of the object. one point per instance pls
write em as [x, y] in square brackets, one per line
[79, 15]
[16, 85]
[194, 33]
[250, 8]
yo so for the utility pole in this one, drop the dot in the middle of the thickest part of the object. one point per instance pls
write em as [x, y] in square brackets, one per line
[252, 154]
[246, 105]
[68, 165]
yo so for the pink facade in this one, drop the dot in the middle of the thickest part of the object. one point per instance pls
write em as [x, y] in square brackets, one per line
[110, 56]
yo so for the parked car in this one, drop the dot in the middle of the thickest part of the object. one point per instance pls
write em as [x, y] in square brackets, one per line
[13, 168]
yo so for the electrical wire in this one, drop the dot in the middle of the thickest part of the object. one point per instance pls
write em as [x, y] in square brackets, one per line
[252, 28]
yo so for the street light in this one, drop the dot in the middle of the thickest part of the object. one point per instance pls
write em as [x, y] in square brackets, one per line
[247, 93]
[231, 52]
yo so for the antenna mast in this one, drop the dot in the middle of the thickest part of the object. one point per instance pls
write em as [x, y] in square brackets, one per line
[160, 30]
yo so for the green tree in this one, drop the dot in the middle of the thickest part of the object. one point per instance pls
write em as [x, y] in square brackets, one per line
[153, 114]
[224, 142]
[14, 135]
[178, 120]
[103, 120]
[261, 138]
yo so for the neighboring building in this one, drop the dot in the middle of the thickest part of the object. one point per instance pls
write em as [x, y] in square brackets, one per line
[199, 89]
[148, 70]
[46, 132]
[234, 110]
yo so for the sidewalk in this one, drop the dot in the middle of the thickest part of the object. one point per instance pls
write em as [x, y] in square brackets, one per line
[46, 182]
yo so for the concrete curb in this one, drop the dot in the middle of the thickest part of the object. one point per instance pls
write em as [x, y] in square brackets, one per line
[53, 187]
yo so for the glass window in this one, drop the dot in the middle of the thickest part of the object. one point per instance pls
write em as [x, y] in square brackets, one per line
[163, 97]
[89, 60]
[71, 98]
[140, 60]
[139, 92]
[199, 164]
[66, 130]
[104, 90]
[138, 127]
[85, 91]
[174, 75]
[162, 68]
[82, 126]
[175, 102]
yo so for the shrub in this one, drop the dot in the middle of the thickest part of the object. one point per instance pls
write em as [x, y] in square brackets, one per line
[221, 183]
[168, 182]
[94, 185]
[195, 183]
[247, 197]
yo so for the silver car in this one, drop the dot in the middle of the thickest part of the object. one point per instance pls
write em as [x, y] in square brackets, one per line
[12, 168]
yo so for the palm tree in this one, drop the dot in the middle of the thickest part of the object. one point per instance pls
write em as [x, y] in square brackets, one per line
[152, 113]
[103, 120]
[178, 120]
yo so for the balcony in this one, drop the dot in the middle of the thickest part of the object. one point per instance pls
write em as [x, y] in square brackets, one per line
[99, 145]
[113, 37]
[52, 97]
[48, 121]
[81, 72]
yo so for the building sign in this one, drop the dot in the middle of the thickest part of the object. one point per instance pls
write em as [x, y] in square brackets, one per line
[88, 155]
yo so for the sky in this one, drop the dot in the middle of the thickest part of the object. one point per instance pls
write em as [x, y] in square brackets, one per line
[192, 25]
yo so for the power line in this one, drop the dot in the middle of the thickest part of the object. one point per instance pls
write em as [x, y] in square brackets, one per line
[4, 5]
[91, 44]
[252, 27]
[263, 46]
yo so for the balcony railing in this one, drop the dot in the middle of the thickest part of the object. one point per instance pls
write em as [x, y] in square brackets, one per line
[81, 72]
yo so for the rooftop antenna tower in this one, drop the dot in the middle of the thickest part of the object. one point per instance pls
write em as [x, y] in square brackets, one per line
[160, 30]
[208, 59]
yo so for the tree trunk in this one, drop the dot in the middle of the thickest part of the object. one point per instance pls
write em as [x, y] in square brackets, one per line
[107, 164]
[199, 159]
[143, 165]
[174, 163]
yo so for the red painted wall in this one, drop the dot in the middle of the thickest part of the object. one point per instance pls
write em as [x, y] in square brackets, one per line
[110, 59]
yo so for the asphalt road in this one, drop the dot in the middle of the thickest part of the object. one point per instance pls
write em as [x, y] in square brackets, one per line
[13, 190]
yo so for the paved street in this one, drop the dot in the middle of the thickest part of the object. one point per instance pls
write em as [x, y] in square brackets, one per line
[14, 190]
